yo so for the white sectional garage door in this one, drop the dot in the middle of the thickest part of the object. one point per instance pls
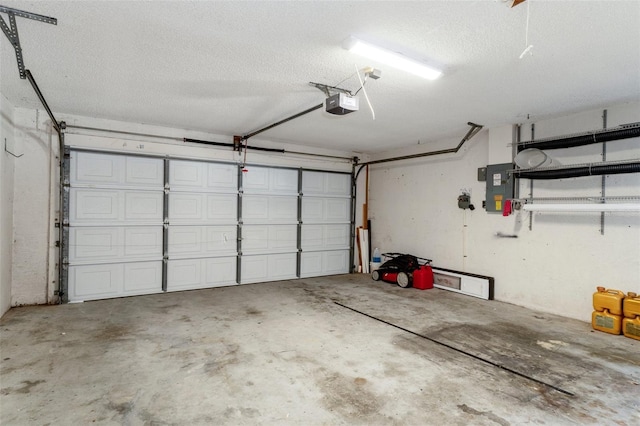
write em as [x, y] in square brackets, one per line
[269, 224]
[115, 226]
[140, 225]
[326, 229]
[202, 225]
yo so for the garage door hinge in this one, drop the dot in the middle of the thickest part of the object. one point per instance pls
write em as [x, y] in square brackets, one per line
[57, 243]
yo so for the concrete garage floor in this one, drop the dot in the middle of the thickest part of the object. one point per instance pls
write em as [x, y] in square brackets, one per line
[286, 353]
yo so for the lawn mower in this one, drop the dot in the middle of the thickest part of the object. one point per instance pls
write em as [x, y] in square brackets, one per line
[400, 269]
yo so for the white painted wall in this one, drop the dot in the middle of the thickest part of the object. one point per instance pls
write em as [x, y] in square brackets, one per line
[6, 200]
[33, 180]
[34, 260]
[554, 267]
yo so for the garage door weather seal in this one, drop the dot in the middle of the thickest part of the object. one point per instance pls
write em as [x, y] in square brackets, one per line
[476, 357]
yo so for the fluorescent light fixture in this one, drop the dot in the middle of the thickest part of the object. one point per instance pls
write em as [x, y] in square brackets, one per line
[393, 59]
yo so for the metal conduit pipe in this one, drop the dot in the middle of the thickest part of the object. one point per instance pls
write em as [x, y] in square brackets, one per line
[475, 128]
[598, 136]
[594, 170]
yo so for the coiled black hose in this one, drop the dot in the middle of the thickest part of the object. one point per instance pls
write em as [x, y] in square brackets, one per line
[586, 139]
[596, 170]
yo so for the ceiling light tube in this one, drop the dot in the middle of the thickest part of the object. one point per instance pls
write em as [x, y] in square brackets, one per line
[393, 59]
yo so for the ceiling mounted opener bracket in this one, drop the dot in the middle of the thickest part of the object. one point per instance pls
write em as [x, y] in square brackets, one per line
[11, 31]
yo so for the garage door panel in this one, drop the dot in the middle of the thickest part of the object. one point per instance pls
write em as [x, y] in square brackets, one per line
[283, 209]
[337, 236]
[312, 183]
[142, 278]
[192, 274]
[186, 206]
[102, 281]
[186, 174]
[94, 244]
[143, 206]
[312, 236]
[271, 180]
[255, 208]
[318, 209]
[312, 209]
[326, 184]
[271, 267]
[336, 262]
[263, 238]
[282, 266]
[254, 269]
[90, 282]
[256, 179]
[283, 237]
[202, 176]
[269, 209]
[222, 208]
[91, 168]
[104, 170]
[221, 239]
[184, 274]
[310, 264]
[314, 264]
[337, 209]
[114, 244]
[144, 172]
[113, 207]
[331, 236]
[283, 181]
[201, 241]
[143, 242]
[184, 240]
[93, 205]
[338, 184]
[221, 271]
[222, 177]
[255, 238]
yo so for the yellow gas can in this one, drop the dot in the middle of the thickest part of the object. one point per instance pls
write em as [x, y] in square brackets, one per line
[604, 321]
[631, 327]
[608, 299]
[631, 305]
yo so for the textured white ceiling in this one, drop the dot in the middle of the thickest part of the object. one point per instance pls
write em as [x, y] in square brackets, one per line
[232, 67]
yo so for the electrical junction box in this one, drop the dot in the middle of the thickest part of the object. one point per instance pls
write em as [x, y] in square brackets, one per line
[499, 184]
[482, 174]
[341, 104]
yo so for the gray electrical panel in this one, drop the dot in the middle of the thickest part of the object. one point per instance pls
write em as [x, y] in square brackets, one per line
[499, 184]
